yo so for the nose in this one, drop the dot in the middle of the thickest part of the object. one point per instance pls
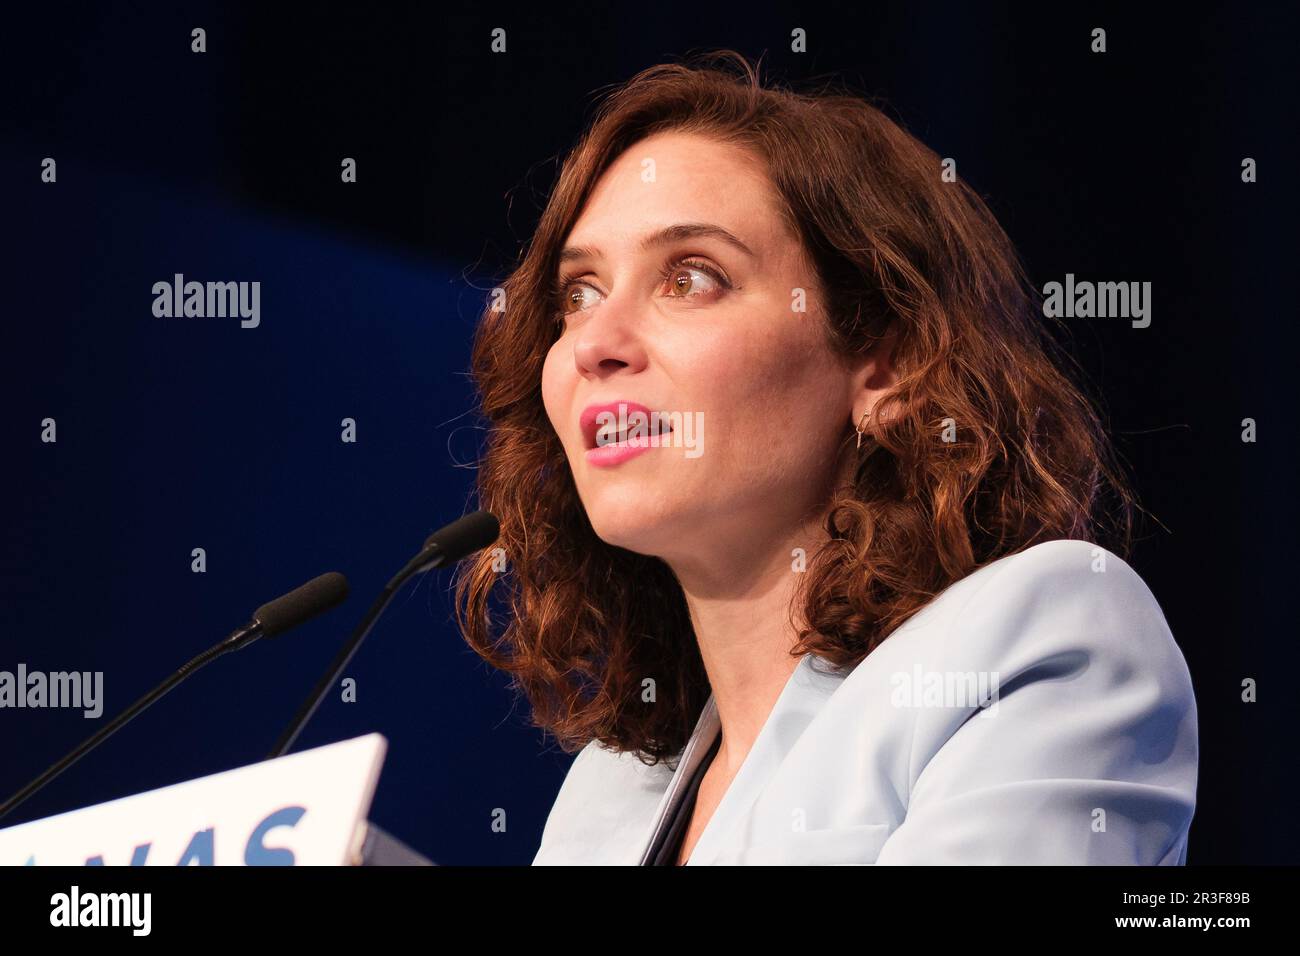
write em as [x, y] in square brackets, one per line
[608, 341]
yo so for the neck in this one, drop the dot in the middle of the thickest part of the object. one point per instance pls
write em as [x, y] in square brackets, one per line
[740, 602]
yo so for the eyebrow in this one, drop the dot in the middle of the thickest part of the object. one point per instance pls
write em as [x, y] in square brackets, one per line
[663, 237]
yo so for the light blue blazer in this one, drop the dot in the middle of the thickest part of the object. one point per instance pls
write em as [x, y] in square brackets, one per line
[1037, 711]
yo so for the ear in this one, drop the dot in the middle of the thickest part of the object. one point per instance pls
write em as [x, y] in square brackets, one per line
[874, 375]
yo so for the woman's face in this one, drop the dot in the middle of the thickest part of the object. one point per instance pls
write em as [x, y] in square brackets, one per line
[690, 322]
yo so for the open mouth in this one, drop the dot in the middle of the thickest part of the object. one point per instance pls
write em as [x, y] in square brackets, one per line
[622, 424]
[610, 436]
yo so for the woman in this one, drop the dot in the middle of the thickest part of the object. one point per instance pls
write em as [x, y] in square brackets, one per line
[843, 598]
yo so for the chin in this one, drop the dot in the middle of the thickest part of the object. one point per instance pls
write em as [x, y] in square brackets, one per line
[630, 531]
[633, 521]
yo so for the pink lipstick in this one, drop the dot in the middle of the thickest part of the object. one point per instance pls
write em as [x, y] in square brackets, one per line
[595, 424]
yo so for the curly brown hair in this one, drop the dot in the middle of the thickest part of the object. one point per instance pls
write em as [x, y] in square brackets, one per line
[988, 447]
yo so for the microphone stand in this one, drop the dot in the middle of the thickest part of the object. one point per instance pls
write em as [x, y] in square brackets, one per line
[240, 638]
[303, 603]
[430, 557]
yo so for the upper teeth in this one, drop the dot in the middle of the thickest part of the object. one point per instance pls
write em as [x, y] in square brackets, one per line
[611, 434]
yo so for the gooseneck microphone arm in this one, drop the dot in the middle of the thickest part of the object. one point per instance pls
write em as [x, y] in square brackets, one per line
[299, 605]
[341, 661]
[459, 539]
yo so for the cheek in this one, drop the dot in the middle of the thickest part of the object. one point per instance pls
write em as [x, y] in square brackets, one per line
[557, 388]
[774, 408]
[778, 381]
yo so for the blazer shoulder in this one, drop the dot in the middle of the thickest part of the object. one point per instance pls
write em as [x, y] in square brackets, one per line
[1058, 564]
[1086, 748]
[1080, 594]
[597, 769]
[606, 799]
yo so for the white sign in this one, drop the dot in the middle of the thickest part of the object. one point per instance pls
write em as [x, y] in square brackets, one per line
[304, 809]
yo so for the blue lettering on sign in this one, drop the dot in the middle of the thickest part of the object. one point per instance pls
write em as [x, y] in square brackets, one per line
[201, 849]
[257, 854]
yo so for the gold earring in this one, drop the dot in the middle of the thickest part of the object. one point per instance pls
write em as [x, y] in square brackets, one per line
[859, 426]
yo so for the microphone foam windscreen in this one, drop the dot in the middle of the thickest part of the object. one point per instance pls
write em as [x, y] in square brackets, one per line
[302, 603]
[465, 535]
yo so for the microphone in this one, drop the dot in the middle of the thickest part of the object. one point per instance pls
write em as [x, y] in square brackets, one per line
[300, 605]
[270, 620]
[458, 540]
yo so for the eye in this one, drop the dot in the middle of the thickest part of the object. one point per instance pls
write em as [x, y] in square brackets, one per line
[571, 296]
[685, 279]
[682, 283]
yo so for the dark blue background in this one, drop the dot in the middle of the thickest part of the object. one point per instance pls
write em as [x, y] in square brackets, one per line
[183, 433]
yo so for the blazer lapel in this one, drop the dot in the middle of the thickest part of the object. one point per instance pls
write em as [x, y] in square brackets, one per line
[802, 699]
[706, 731]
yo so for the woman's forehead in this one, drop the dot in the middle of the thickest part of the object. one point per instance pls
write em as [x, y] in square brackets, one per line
[653, 188]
